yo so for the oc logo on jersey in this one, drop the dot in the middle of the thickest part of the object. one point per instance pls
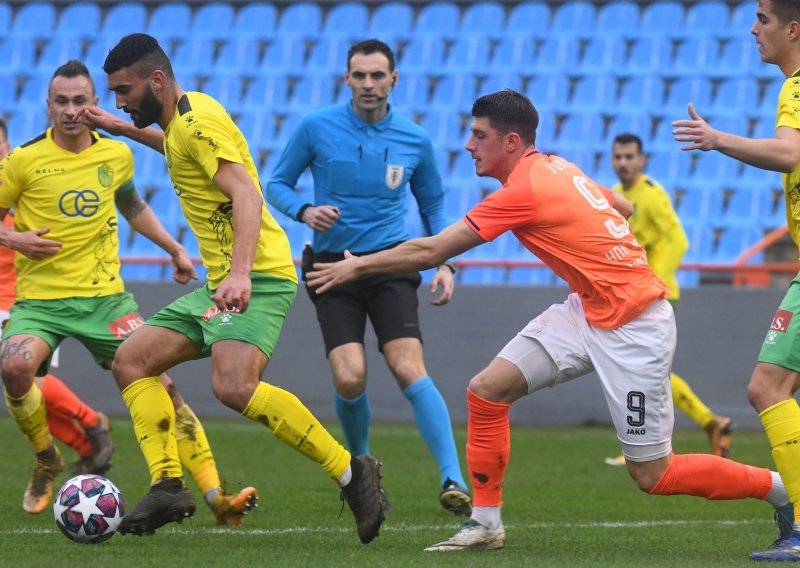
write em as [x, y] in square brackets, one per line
[79, 203]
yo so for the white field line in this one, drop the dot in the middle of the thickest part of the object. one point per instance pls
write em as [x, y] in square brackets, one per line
[390, 528]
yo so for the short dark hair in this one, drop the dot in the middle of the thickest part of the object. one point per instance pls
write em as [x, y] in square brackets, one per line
[628, 138]
[4, 128]
[509, 111]
[786, 10]
[73, 68]
[141, 52]
[369, 46]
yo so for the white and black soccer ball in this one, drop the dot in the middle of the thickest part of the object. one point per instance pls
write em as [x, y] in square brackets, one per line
[88, 509]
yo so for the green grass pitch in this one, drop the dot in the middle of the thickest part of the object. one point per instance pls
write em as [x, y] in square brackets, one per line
[564, 507]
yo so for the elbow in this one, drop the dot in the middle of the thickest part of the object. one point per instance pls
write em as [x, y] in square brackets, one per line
[790, 163]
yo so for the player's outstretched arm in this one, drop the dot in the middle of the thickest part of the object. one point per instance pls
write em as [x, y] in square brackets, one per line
[779, 154]
[416, 254]
[99, 118]
[144, 220]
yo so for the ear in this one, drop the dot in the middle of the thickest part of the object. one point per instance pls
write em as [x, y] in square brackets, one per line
[158, 80]
[513, 142]
[395, 76]
[793, 29]
[346, 76]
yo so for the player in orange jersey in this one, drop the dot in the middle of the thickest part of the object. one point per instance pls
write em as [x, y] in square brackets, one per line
[616, 322]
[70, 419]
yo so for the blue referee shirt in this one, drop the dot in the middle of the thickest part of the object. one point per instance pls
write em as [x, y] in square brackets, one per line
[363, 170]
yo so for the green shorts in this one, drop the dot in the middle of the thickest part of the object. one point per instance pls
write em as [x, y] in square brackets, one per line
[101, 324]
[782, 344]
[197, 317]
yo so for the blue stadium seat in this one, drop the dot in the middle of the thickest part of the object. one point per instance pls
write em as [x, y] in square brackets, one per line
[194, 57]
[581, 132]
[329, 56]
[258, 128]
[734, 241]
[668, 167]
[740, 56]
[123, 19]
[708, 18]
[5, 19]
[648, 55]
[170, 21]
[483, 18]
[34, 90]
[733, 96]
[78, 21]
[662, 17]
[300, 20]
[695, 56]
[285, 127]
[771, 206]
[529, 19]
[34, 21]
[515, 54]
[500, 81]
[546, 131]
[548, 92]
[438, 19]
[557, 53]
[268, 92]
[422, 54]
[347, 20]
[594, 93]
[522, 276]
[392, 21]
[574, 19]
[710, 168]
[284, 55]
[255, 21]
[57, 52]
[25, 124]
[701, 241]
[411, 92]
[312, 92]
[468, 54]
[604, 56]
[742, 19]
[238, 57]
[455, 92]
[212, 21]
[769, 100]
[644, 94]
[96, 54]
[685, 90]
[743, 207]
[227, 89]
[445, 129]
[8, 91]
[696, 203]
[618, 19]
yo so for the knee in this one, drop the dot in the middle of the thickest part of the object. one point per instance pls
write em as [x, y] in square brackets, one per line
[230, 392]
[481, 386]
[768, 386]
[18, 375]
[646, 475]
[350, 385]
[124, 367]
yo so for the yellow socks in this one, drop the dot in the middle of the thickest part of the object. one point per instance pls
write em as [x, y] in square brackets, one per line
[684, 398]
[31, 417]
[293, 423]
[194, 450]
[154, 424]
[782, 424]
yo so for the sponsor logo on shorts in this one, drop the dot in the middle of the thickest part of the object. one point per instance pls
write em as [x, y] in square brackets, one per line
[127, 324]
[226, 315]
[636, 431]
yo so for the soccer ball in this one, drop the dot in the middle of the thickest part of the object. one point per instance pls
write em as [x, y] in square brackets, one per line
[88, 509]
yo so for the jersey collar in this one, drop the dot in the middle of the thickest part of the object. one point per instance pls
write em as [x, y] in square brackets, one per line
[361, 124]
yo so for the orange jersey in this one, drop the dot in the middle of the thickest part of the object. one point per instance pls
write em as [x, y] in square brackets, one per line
[8, 276]
[568, 221]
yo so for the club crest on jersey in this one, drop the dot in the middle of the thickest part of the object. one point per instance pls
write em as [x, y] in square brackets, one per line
[105, 175]
[127, 324]
[394, 176]
[225, 315]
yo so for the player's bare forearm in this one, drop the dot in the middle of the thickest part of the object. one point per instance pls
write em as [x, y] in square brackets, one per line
[775, 154]
[234, 182]
[100, 118]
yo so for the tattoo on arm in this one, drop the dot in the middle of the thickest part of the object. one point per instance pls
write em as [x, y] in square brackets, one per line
[129, 204]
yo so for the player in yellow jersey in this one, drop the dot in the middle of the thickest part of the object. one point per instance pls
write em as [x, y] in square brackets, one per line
[237, 316]
[64, 185]
[777, 373]
[658, 229]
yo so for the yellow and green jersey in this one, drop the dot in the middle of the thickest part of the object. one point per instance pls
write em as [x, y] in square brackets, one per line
[789, 115]
[656, 226]
[200, 134]
[72, 195]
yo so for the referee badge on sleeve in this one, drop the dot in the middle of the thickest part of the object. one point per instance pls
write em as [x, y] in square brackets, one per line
[394, 176]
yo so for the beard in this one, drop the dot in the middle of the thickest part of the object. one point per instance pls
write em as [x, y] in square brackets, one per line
[149, 110]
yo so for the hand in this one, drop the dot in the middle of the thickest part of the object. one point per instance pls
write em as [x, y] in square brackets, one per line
[97, 117]
[326, 275]
[233, 293]
[443, 278]
[182, 267]
[695, 131]
[32, 245]
[320, 218]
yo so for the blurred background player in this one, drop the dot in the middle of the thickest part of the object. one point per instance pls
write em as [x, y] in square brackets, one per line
[777, 373]
[68, 277]
[659, 231]
[362, 155]
[69, 419]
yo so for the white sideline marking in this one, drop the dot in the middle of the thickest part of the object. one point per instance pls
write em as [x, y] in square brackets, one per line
[390, 528]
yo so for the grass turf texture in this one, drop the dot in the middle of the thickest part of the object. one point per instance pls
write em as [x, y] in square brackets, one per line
[564, 507]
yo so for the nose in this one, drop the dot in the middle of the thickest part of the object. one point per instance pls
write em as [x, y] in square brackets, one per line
[119, 101]
[470, 145]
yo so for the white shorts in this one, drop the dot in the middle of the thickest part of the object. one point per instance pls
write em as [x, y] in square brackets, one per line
[632, 361]
[4, 316]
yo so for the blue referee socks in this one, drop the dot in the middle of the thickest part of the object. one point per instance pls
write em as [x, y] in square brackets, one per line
[354, 416]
